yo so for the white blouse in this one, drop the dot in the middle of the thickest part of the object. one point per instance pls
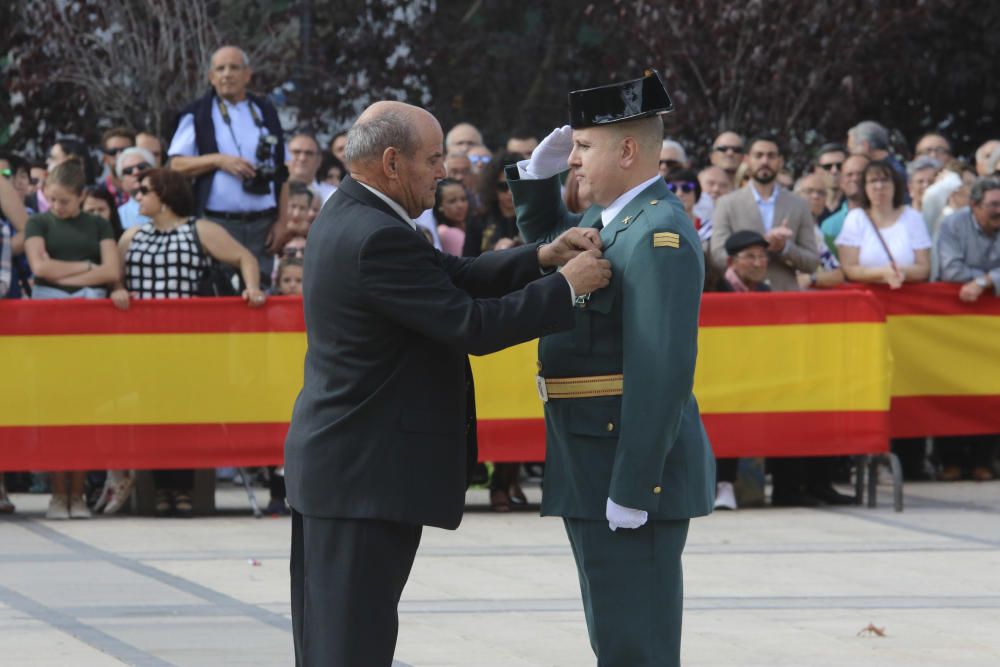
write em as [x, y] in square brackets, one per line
[904, 237]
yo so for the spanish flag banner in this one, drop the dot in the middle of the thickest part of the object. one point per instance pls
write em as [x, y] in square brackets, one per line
[208, 382]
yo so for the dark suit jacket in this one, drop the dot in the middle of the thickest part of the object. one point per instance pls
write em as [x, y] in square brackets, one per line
[380, 428]
[738, 211]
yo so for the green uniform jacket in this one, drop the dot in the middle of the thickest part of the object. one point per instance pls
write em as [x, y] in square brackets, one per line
[646, 449]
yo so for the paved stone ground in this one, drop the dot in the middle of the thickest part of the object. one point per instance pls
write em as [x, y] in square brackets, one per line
[777, 587]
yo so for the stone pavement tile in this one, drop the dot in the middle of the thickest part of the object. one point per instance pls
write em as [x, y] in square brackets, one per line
[16, 542]
[263, 584]
[27, 642]
[204, 642]
[92, 583]
[830, 639]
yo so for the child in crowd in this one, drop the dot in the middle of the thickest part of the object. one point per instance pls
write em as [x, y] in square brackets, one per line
[73, 255]
[287, 283]
[451, 212]
[300, 203]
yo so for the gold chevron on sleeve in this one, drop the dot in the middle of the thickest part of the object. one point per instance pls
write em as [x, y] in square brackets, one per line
[666, 240]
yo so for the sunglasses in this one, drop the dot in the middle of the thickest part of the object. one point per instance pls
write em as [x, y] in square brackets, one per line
[294, 252]
[503, 186]
[670, 164]
[729, 149]
[143, 190]
[128, 171]
[829, 166]
[480, 159]
[686, 187]
[111, 152]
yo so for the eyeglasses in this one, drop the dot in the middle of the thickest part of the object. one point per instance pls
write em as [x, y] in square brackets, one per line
[830, 166]
[128, 171]
[294, 251]
[686, 187]
[480, 159]
[143, 190]
[503, 186]
[111, 152]
[738, 150]
[670, 164]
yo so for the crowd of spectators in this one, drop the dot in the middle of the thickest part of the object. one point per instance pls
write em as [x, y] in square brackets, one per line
[223, 205]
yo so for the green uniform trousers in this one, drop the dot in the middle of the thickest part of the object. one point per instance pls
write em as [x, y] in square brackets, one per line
[633, 590]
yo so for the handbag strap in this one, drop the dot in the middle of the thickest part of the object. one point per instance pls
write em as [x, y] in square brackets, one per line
[885, 246]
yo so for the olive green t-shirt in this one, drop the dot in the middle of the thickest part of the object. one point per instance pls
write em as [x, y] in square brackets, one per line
[71, 240]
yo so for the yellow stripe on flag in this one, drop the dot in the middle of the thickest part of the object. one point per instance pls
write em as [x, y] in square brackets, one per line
[181, 378]
[950, 355]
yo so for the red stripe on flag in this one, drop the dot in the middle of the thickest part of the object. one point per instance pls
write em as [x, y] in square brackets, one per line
[143, 447]
[919, 416]
[732, 435]
[778, 308]
[154, 316]
[927, 299]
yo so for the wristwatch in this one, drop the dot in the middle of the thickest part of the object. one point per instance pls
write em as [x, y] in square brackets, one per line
[981, 281]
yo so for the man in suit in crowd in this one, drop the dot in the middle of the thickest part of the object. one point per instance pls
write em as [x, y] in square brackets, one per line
[383, 431]
[776, 214]
[627, 461]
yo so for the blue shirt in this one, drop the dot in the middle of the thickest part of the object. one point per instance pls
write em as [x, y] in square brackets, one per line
[128, 214]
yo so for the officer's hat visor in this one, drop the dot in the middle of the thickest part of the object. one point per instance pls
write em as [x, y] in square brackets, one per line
[619, 102]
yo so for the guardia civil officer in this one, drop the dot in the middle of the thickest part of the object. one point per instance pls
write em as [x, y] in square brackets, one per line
[231, 143]
[628, 462]
[384, 429]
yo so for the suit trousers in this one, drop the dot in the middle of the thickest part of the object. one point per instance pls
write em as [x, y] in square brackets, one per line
[347, 577]
[633, 590]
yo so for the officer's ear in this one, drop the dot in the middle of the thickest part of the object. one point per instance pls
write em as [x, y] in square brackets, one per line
[628, 152]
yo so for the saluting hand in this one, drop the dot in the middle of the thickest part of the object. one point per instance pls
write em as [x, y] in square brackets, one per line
[587, 272]
[568, 245]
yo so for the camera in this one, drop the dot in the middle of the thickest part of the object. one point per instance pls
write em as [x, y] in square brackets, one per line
[265, 173]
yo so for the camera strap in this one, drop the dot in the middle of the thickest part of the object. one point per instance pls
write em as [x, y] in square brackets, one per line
[224, 112]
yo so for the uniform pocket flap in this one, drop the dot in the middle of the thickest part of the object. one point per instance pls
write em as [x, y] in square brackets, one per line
[596, 417]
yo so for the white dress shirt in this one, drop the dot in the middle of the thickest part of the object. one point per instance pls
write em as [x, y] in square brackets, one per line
[392, 204]
[766, 206]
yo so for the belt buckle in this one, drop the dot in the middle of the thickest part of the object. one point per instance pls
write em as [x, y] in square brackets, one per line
[543, 393]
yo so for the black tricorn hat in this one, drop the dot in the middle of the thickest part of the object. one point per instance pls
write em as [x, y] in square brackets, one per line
[618, 102]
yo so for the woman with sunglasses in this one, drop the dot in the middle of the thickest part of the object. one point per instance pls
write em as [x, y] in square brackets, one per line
[166, 259]
[496, 229]
[684, 184]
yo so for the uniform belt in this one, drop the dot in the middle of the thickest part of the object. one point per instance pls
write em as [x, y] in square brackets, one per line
[589, 386]
[248, 216]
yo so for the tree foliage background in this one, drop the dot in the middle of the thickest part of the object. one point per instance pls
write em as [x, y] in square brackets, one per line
[803, 70]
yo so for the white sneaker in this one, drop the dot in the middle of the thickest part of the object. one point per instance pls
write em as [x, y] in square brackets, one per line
[58, 507]
[725, 496]
[121, 492]
[78, 508]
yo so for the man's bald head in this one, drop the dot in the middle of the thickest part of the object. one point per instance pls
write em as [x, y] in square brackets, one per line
[229, 73]
[462, 137]
[396, 148]
[385, 125]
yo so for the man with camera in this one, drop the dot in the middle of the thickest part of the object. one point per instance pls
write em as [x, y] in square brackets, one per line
[231, 143]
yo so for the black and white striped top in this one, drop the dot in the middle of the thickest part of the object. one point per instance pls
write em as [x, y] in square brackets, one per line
[163, 265]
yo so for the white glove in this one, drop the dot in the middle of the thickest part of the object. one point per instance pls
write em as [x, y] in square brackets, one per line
[624, 517]
[551, 156]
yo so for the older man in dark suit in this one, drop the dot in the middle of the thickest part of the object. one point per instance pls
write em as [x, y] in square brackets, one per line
[383, 431]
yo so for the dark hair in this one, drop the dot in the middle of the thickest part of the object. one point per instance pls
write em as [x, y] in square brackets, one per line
[172, 188]
[488, 183]
[329, 146]
[79, 150]
[16, 162]
[102, 193]
[685, 175]
[832, 147]
[328, 162]
[439, 194]
[120, 131]
[522, 133]
[69, 174]
[765, 137]
[983, 185]
[308, 135]
[898, 184]
[298, 188]
[285, 263]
